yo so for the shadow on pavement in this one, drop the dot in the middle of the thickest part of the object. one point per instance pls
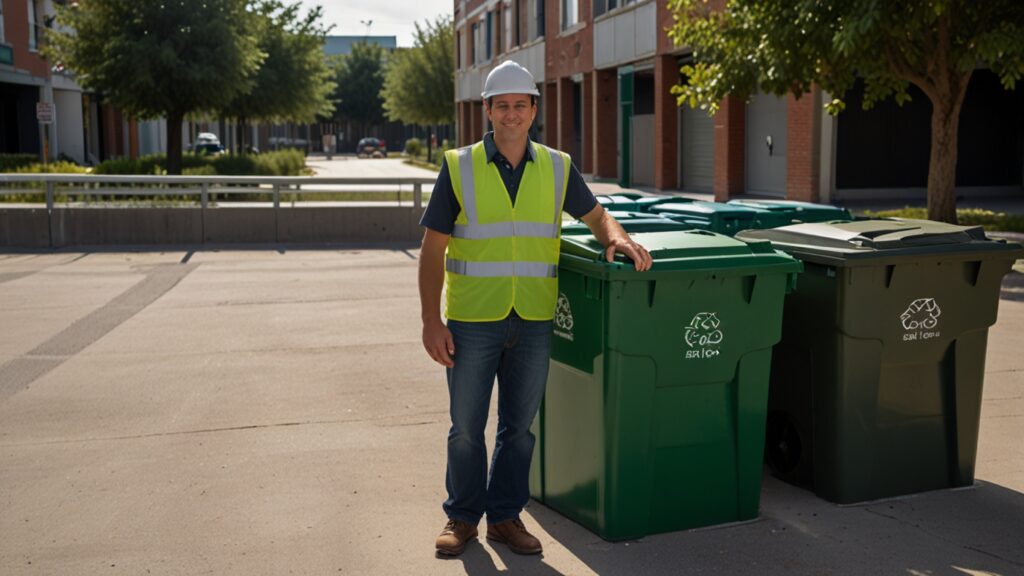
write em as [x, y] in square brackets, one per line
[477, 561]
[976, 531]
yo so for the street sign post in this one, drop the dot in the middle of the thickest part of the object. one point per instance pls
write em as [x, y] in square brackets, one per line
[44, 112]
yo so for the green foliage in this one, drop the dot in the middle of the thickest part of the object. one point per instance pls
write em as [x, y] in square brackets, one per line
[53, 168]
[159, 59]
[989, 220]
[151, 165]
[413, 147]
[205, 170]
[434, 163]
[11, 162]
[359, 78]
[280, 163]
[781, 47]
[150, 58]
[293, 84]
[789, 47]
[420, 83]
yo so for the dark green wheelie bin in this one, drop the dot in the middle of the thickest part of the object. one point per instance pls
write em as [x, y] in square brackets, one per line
[795, 212]
[631, 222]
[623, 202]
[653, 418]
[877, 382]
[633, 202]
[719, 217]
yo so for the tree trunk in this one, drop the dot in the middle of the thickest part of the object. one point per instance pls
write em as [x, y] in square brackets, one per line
[174, 120]
[942, 164]
[240, 135]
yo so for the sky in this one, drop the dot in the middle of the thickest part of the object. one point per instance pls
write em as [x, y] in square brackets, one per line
[388, 17]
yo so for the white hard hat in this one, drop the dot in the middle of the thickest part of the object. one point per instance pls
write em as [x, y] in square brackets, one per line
[509, 78]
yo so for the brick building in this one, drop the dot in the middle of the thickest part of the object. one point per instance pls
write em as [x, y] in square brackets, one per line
[83, 129]
[605, 68]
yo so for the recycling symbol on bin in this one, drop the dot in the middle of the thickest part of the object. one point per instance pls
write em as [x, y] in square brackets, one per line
[563, 314]
[703, 330]
[922, 313]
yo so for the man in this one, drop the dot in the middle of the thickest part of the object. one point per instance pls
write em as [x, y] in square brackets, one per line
[492, 234]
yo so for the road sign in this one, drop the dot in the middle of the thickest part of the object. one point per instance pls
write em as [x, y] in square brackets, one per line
[44, 112]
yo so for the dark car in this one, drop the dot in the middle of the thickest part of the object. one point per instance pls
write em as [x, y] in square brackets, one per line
[207, 143]
[371, 148]
[208, 148]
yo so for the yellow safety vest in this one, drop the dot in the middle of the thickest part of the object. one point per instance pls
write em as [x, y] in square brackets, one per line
[502, 255]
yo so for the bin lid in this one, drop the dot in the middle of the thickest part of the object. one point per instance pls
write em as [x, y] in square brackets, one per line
[841, 242]
[612, 200]
[798, 210]
[677, 251]
[645, 204]
[632, 222]
[702, 209]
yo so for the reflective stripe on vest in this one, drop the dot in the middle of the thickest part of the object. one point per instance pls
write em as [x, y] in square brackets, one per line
[499, 269]
[503, 229]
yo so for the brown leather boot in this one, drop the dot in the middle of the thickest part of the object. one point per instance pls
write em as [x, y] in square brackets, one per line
[513, 533]
[452, 540]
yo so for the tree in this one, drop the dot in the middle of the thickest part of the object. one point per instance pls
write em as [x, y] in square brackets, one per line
[359, 77]
[783, 47]
[293, 84]
[420, 84]
[160, 59]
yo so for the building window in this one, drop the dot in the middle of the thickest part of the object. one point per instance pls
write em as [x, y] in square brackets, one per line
[517, 38]
[570, 13]
[535, 24]
[474, 45]
[506, 33]
[602, 6]
[490, 35]
[1, 20]
[33, 28]
[458, 47]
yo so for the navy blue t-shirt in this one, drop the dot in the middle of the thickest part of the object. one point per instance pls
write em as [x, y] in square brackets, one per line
[443, 207]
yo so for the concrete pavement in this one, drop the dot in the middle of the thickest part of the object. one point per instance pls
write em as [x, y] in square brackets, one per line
[271, 411]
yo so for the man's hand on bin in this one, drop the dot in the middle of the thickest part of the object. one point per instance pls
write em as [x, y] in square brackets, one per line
[610, 234]
[638, 254]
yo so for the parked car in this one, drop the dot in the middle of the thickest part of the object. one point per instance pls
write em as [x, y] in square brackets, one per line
[207, 143]
[371, 148]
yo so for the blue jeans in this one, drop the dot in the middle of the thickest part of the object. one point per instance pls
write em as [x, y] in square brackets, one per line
[517, 351]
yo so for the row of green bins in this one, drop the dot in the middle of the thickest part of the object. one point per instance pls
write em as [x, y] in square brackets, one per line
[654, 414]
[632, 202]
[795, 212]
[876, 385]
[631, 222]
[719, 217]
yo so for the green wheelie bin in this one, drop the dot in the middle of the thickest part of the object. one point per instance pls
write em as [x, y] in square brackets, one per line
[876, 384]
[631, 222]
[654, 412]
[633, 202]
[622, 202]
[795, 212]
[719, 217]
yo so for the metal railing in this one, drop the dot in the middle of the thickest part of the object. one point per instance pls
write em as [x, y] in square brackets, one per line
[88, 185]
[72, 198]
